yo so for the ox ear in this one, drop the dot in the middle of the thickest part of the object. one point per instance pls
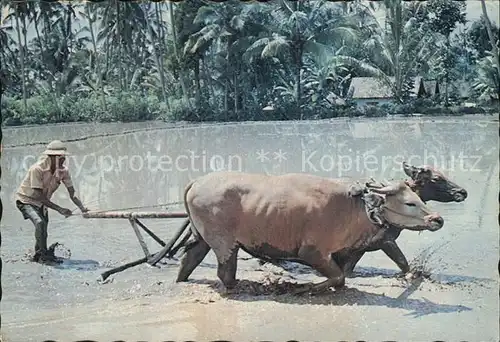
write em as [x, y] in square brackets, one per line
[410, 170]
[417, 173]
[424, 174]
[373, 200]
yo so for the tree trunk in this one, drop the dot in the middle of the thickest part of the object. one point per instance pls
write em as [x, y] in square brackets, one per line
[298, 67]
[235, 85]
[298, 64]
[161, 37]
[198, 94]
[446, 72]
[156, 57]
[96, 56]
[226, 99]
[176, 52]
[108, 46]
[208, 83]
[47, 26]
[40, 45]
[25, 31]
[494, 48]
[67, 42]
[21, 56]
[396, 27]
[118, 36]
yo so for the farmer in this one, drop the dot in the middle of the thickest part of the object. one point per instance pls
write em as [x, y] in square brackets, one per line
[34, 193]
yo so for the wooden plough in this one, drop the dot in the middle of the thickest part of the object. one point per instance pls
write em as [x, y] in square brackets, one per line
[133, 217]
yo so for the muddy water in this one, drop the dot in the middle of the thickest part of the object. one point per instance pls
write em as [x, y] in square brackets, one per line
[122, 170]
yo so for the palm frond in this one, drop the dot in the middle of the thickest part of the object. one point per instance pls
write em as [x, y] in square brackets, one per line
[237, 22]
[275, 47]
[206, 14]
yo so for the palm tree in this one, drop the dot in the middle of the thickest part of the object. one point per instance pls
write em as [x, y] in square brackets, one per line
[396, 48]
[184, 28]
[123, 33]
[91, 16]
[156, 43]
[487, 84]
[20, 12]
[225, 31]
[494, 45]
[299, 28]
[8, 58]
[182, 78]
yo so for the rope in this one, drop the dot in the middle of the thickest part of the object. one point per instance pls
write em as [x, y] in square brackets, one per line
[133, 208]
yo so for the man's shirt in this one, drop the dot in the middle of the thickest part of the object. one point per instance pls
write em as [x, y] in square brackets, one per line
[40, 177]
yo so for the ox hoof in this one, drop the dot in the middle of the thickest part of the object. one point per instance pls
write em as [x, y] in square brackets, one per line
[403, 274]
[340, 288]
[302, 289]
[415, 275]
[409, 276]
[323, 289]
[231, 287]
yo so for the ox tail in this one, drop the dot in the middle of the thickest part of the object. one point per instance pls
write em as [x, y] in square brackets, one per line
[194, 231]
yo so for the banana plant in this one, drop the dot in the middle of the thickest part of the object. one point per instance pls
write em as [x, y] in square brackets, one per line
[487, 85]
[494, 45]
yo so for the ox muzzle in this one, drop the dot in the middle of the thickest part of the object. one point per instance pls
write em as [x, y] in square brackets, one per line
[434, 222]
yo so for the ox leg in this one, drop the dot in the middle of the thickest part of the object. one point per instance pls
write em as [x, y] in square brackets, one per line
[325, 265]
[195, 253]
[349, 265]
[391, 249]
[226, 268]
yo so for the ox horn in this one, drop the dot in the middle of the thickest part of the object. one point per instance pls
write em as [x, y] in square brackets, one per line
[373, 184]
[389, 189]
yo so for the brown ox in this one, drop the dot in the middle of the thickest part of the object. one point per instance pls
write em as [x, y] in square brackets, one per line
[296, 217]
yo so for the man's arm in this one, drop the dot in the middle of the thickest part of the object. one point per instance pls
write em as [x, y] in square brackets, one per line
[76, 200]
[68, 182]
[37, 186]
[38, 195]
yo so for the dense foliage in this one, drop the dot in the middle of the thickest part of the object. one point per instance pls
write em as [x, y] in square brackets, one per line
[199, 60]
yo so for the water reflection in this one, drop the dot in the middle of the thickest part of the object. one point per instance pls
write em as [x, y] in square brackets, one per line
[152, 166]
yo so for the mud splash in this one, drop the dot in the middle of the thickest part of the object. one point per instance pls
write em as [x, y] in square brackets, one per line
[64, 261]
[60, 251]
[421, 273]
[278, 290]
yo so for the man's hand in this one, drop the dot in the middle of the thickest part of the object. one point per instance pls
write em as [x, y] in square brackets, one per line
[65, 212]
[84, 210]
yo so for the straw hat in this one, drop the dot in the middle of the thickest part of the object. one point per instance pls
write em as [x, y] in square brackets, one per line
[56, 148]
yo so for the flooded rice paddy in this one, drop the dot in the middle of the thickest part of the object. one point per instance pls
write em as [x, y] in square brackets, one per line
[117, 166]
